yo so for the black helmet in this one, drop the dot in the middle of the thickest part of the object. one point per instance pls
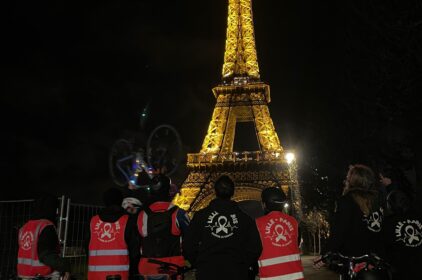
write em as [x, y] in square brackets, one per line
[274, 198]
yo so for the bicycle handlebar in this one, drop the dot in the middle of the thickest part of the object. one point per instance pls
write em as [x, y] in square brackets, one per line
[373, 259]
[164, 265]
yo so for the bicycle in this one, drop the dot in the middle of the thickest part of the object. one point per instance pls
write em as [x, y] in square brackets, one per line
[167, 271]
[64, 276]
[162, 153]
[365, 267]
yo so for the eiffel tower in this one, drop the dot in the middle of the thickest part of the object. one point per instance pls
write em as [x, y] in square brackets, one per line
[241, 97]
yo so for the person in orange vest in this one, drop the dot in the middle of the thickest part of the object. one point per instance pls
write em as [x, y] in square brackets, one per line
[113, 243]
[280, 257]
[39, 249]
[161, 226]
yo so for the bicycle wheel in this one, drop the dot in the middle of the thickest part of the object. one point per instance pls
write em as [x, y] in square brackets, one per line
[164, 149]
[121, 162]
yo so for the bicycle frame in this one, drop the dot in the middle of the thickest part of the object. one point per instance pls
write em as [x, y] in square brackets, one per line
[349, 264]
[173, 271]
[138, 166]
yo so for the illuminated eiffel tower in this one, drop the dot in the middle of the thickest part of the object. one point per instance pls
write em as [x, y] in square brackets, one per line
[241, 97]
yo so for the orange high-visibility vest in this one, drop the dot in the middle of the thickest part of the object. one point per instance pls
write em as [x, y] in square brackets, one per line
[29, 265]
[108, 252]
[280, 257]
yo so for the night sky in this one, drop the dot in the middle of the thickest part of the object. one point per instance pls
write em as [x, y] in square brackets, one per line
[77, 76]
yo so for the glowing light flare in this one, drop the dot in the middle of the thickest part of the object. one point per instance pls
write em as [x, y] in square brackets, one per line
[290, 157]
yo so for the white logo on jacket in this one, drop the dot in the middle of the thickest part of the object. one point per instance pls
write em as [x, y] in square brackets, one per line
[374, 220]
[222, 226]
[279, 231]
[409, 232]
[107, 232]
[26, 240]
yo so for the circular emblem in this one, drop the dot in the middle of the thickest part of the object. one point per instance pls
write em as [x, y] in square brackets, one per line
[26, 240]
[374, 220]
[107, 232]
[409, 232]
[222, 226]
[279, 231]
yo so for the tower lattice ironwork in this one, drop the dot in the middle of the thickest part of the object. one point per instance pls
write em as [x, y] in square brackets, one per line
[241, 97]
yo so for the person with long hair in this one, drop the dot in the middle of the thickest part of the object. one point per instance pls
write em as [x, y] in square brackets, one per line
[358, 216]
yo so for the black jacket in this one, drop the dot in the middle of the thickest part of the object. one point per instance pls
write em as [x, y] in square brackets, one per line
[222, 242]
[48, 242]
[48, 254]
[352, 233]
[112, 214]
[402, 236]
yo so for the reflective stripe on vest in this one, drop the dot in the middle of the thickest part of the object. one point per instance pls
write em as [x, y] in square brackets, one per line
[117, 252]
[100, 268]
[108, 251]
[279, 260]
[291, 276]
[30, 262]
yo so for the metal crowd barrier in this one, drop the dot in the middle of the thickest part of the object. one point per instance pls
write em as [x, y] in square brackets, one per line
[76, 222]
[72, 227]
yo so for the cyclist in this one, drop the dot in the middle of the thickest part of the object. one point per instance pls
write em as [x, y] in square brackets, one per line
[402, 235]
[392, 178]
[222, 241]
[358, 216]
[39, 249]
[279, 236]
[161, 226]
[113, 243]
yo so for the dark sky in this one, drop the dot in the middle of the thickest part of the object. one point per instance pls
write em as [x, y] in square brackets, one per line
[78, 74]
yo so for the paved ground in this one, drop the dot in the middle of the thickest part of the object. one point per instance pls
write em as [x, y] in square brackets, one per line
[310, 272]
[313, 274]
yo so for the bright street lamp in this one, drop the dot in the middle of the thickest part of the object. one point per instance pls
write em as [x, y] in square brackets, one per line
[290, 157]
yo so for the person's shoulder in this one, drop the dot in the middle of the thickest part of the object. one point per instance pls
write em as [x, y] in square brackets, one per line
[202, 213]
[345, 203]
[346, 199]
[242, 214]
[289, 217]
[262, 218]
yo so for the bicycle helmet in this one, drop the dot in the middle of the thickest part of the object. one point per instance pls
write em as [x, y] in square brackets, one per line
[273, 199]
[131, 205]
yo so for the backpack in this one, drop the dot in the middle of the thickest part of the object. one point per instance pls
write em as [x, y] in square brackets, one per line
[160, 242]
